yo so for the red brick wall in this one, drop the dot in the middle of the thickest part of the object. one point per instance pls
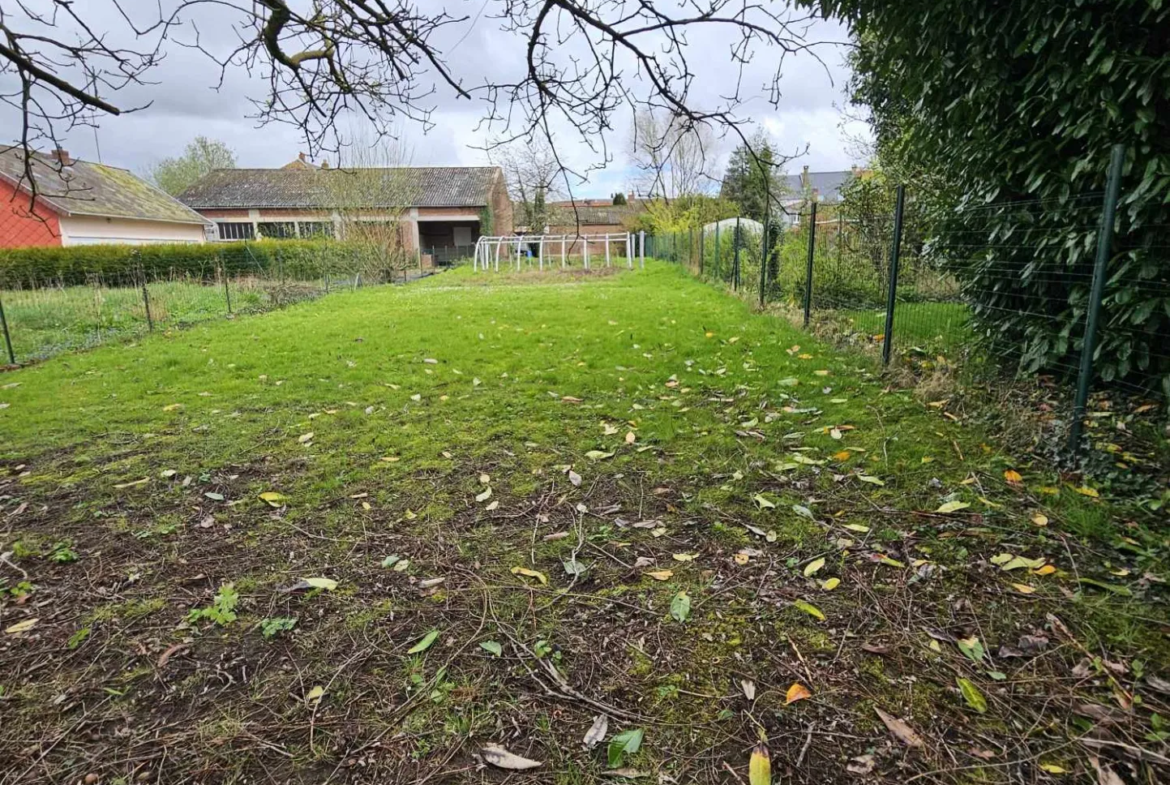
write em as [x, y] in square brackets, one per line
[20, 228]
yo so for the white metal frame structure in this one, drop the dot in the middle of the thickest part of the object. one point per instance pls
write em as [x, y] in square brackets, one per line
[489, 249]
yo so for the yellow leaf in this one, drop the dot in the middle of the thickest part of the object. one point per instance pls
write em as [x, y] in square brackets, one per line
[540, 576]
[797, 692]
[273, 498]
[821, 373]
[741, 558]
[630, 437]
[172, 407]
[313, 697]
[760, 767]
[661, 575]
[856, 527]
[484, 495]
[325, 584]
[831, 584]
[813, 567]
[1013, 476]
[1047, 569]
[1040, 519]
[809, 608]
[950, 507]
[683, 556]
[1052, 768]
[21, 626]
[306, 437]
[1085, 490]
[844, 455]
[1048, 490]
[390, 459]
[1023, 588]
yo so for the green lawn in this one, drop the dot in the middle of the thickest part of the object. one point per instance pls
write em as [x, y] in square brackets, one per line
[614, 493]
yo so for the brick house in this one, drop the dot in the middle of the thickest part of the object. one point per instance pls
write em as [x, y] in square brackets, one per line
[83, 203]
[592, 217]
[440, 210]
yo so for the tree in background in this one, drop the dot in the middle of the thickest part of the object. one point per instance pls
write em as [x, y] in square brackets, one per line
[531, 170]
[619, 199]
[369, 194]
[202, 155]
[672, 154]
[1001, 118]
[755, 177]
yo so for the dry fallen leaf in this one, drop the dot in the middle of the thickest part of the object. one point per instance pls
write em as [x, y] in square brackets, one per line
[596, 733]
[540, 576]
[21, 626]
[1013, 477]
[749, 689]
[661, 575]
[502, 759]
[797, 692]
[903, 732]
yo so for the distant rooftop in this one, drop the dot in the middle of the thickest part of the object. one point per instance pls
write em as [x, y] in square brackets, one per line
[311, 188]
[827, 185]
[69, 186]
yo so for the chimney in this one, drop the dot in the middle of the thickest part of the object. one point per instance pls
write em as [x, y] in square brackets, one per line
[325, 164]
[804, 176]
[62, 156]
[631, 196]
[301, 158]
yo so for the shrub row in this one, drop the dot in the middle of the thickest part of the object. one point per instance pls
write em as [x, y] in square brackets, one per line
[294, 259]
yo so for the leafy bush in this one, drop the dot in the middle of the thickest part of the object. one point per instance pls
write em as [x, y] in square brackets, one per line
[292, 259]
[1003, 115]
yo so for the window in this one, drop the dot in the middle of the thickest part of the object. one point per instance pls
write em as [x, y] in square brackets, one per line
[316, 229]
[278, 230]
[235, 231]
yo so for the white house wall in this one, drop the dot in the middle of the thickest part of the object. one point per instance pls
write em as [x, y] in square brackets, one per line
[92, 230]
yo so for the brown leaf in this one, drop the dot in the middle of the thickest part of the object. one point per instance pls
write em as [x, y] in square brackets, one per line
[171, 651]
[797, 692]
[903, 732]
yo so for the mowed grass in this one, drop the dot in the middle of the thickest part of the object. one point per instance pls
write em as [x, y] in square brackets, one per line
[616, 493]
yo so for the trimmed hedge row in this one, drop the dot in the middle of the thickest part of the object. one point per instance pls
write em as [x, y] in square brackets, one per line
[294, 259]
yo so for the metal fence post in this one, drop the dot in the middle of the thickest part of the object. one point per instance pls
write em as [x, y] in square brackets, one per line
[764, 258]
[642, 246]
[702, 248]
[7, 337]
[146, 300]
[718, 271]
[735, 259]
[1096, 293]
[808, 269]
[227, 292]
[892, 296]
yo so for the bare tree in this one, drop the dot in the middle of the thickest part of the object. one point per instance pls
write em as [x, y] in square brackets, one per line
[585, 61]
[531, 172]
[672, 154]
[368, 195]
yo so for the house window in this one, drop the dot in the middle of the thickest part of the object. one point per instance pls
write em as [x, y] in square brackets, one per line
[316, 229]
[235, 231]
[278, 230]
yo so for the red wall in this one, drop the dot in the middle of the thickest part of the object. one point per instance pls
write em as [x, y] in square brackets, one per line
[18, 227]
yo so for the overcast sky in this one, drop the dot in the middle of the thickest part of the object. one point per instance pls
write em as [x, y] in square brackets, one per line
[184, 102]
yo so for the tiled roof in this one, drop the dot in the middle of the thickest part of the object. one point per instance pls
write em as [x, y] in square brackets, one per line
[87, 188]
[590, 213]
[316, 189]
[828, 185]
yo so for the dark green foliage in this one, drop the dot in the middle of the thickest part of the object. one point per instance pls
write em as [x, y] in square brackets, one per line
[751, 179]
[1003, 115]
[619, 198]
[294, 259]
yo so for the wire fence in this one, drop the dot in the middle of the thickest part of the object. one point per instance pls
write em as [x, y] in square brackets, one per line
[1015, 288]
[44, 312]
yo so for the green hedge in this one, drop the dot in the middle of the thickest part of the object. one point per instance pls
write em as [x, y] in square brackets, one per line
[293, 259]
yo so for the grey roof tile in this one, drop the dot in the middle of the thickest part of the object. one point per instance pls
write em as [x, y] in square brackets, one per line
[315, 189]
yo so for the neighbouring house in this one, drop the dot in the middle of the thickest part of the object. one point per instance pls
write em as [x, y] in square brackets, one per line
[439, 211]
[82, 202]
[592, 217]
[824, 188]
